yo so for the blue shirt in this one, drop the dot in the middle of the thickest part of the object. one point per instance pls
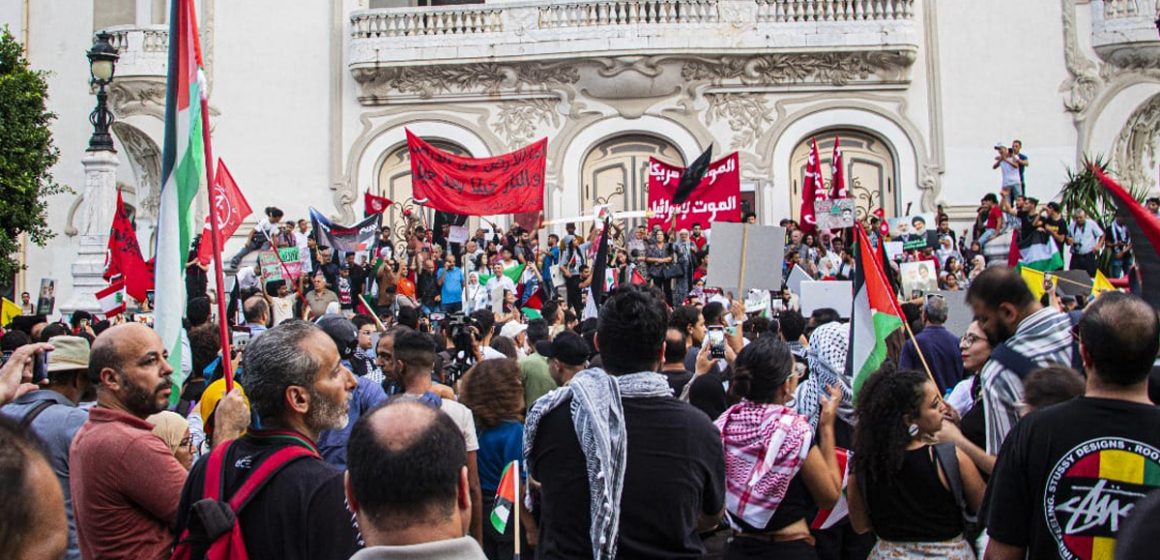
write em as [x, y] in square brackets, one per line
[498, 447]
[365, 397]
[941, 349]
[452, 290]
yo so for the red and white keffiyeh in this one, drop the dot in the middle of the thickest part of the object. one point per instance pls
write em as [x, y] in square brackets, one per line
[765, 447]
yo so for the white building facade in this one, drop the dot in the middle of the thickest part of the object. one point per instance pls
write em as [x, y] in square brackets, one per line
[309, 100]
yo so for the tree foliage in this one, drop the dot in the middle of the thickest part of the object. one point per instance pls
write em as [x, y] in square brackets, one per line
[26, 155]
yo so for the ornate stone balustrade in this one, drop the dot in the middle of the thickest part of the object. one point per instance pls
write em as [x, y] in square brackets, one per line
[857, 40]
[1124, 32]
[144, 49]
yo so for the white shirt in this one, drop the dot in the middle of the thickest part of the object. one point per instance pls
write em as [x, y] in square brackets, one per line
[248, 279]
[502, 281]
[303, 251]
[282, 308]
[1085, 237]
[1010, 173]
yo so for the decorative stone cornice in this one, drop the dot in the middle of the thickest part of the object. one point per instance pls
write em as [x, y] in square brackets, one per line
[379, 84]
[830, 68]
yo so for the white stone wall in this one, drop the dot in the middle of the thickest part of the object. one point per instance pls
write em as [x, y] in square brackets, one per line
[297, 130]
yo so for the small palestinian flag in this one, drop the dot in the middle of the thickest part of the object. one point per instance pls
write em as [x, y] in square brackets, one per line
[827, 518]
[505, 497]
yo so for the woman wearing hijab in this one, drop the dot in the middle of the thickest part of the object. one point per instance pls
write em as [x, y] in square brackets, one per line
[901, 486]
[475, 296]
[174, 431]
[776, 471]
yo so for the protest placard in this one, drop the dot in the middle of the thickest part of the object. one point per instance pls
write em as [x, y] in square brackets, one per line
[746, 256]
[837, 295]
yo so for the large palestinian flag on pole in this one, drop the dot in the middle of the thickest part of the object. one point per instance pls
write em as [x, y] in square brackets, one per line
[1144, 230]
[875, 314]
[182, 174]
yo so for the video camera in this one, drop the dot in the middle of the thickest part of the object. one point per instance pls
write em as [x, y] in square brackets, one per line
[464, 332]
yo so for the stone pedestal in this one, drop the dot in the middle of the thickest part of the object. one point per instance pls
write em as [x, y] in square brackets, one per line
[95, 219]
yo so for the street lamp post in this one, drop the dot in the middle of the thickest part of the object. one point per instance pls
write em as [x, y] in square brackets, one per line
[102, 64]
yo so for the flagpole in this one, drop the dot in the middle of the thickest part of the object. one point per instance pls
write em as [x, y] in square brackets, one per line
[219, 278]
[516, 510]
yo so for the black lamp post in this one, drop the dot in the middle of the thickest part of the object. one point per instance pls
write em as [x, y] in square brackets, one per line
[102, 63]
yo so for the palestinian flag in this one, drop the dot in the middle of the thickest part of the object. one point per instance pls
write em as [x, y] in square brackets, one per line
[112, 298]
[1037, 252]
[505, 497]
[183, 171]
[827, 518]
[875, 314]
[529, 292]
[1144, 231]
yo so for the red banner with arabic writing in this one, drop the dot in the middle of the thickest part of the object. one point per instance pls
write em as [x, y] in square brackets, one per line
[505, 184]
[716, 199]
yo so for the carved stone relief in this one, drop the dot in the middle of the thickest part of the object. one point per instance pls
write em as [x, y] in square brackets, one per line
[517, 121]
[1085, 82]
[1135, 148]
[834, 68]
[138, 96]
[145, 159]
[748, 114]
[378, 84]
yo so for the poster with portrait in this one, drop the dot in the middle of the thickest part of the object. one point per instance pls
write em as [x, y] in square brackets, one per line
[46, 301]
[916, 232]
[918, 278]
[835, 214]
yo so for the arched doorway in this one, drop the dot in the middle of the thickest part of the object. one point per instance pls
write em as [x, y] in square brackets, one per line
[870, 170]
[615, 172]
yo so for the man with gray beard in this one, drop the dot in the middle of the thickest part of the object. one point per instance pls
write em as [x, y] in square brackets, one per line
[298, 387]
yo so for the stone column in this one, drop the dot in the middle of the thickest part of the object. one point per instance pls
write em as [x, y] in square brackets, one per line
[96, 217]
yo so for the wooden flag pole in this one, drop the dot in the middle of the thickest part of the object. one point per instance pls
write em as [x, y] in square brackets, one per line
[374, 315]
[918, 350]
[516, 508]
[741, 272]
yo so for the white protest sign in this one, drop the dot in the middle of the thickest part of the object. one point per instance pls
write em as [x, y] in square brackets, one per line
[796, 277]
[764, 251]
[836, 295]
[458, 234]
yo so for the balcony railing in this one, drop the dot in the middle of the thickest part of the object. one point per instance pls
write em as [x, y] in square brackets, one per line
[1124, 32]
[567, 28]
[144, 50]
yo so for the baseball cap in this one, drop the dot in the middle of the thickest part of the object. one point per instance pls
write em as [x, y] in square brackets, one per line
[1000, 145]
[68, 353]
[213, 394]
[568, 347]
[512, 329]
[342, 332]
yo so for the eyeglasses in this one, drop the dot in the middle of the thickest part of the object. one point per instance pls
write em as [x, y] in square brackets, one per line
[970, 339]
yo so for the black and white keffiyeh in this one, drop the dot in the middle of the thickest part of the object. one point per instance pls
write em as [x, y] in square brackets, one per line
[826, 357]
[598, 417]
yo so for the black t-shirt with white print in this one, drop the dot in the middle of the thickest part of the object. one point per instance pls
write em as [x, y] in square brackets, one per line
[1069, 475]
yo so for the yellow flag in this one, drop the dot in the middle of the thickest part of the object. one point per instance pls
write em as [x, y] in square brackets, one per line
[1034, 280]
[1101, 284]
[8, 310]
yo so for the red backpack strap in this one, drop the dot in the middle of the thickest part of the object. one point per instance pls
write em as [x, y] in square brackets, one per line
[265, 471]
[213, 471]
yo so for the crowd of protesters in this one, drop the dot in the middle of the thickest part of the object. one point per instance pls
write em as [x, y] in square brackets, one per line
[379, 398]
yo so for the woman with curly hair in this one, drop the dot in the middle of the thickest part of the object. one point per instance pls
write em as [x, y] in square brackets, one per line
[776, 471]
[493, 391]
[902, 486]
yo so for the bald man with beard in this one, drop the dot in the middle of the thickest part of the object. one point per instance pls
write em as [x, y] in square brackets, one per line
[125, 481]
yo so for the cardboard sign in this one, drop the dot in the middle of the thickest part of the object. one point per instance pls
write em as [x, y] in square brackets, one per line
[916, 232]
[918, 278]
[272, 269]
[835, 214]
[763, 255]
[46, 301]
[836, 295]
[796, 277]
[893, 249]
[458, 234]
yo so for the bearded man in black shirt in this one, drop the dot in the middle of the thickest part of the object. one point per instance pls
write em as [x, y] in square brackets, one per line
[1069, 475]
[623, 467]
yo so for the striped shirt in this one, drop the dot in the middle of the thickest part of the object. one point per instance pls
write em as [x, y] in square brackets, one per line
[1044, 337]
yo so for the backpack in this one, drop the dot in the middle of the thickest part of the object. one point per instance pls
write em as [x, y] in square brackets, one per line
[213, 532]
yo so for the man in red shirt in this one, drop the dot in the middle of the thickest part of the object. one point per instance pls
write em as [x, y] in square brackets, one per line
[125, 481]
[990, 205]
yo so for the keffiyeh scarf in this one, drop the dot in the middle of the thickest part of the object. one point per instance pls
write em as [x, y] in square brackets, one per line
[826, 357]
[765, 447]
[598, 418]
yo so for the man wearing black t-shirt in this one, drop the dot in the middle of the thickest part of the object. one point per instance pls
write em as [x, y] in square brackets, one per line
[298, 387]
[1069, 475]
[648, 472]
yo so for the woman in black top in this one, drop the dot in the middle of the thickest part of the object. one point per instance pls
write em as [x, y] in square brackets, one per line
[899, 490]
[775, 471]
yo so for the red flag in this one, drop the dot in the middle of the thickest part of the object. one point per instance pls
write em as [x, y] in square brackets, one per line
[812, 190]
[837, 173]
[509, 183]
[1013, 253]
[231, 208]
[1144, 231]
[529, 221]
[883, 225]
[375, 204]
[125, 255]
